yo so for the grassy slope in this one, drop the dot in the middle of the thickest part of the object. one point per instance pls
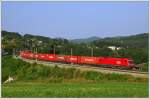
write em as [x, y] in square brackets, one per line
[107, 89]
[41, 81]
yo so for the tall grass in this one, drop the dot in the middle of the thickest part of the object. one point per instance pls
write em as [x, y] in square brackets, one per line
[25, 71]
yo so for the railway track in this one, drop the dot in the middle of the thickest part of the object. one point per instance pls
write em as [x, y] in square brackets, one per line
[87, 67]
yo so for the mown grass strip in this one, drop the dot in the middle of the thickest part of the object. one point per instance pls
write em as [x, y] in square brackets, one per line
[112, 89]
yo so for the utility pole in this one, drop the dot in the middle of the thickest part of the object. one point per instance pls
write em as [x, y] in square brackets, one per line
[36, 55]
[14, 52]
[19, 51]
[54, 50]
[92, 52]
[71, 55]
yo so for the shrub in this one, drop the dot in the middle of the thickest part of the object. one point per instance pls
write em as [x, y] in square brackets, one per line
[145, 67]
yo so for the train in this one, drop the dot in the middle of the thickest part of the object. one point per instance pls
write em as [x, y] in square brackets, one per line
[98, 61]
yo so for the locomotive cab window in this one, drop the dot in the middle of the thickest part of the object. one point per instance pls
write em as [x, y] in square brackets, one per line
[131, 62]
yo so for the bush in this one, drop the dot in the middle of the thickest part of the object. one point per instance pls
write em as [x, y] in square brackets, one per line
[92, 75]
[145, 67]
[11, 66]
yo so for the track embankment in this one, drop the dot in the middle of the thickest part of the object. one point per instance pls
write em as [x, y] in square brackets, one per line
[88, 68]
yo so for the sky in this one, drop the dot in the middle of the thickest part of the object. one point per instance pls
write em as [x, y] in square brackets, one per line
[74, 20]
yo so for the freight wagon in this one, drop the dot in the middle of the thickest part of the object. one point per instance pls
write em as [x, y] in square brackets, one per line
[116, 62]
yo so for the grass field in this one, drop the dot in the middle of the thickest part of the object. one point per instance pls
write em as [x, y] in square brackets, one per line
[34, 80]
[101, 89]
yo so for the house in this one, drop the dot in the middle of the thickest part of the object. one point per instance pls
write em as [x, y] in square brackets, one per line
[114, 48]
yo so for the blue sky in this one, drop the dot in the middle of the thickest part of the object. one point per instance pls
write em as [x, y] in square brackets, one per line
[74, 20]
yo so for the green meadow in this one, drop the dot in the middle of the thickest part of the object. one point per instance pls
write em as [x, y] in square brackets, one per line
[34, 80]
[103, 89]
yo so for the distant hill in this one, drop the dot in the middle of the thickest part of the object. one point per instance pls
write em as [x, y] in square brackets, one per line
[10, 35]
[85, 40]
[139, 40]
[12, 40]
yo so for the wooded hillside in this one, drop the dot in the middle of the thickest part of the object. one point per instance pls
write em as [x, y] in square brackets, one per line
[134, 46]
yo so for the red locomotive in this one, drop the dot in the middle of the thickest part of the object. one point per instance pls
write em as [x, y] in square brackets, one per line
[120, 62]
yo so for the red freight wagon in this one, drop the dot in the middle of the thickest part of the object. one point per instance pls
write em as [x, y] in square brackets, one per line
[89, 60]
[72, 59]
[41, 56]
[22, 54]
[35, 56]
[31, 55]
[125, 62]
[61, 58]
[27, 55]
[50, 57]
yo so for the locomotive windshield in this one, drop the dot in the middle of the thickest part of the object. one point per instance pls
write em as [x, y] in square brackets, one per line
[130, 62]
